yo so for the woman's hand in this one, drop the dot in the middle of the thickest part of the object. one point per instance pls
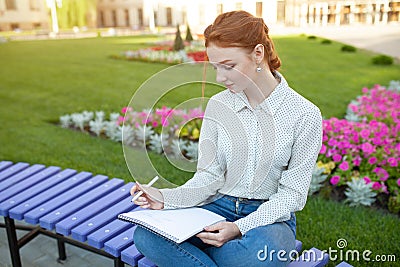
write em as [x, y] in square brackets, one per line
[150, 199]
[219, 233]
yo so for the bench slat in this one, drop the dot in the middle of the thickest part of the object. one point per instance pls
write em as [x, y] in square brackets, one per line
[28, 183]
[311, 258]
[42, 185]
[81, 231]
[65, 226]
[5, 165]
[115, 245]
[145, 262]
[20, 166]
[34, 215]
[131, 255]
[18, 211]
[99, 237]
[20, 176]
[49, 221]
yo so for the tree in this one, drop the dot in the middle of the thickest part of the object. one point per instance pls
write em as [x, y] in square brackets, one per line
[178, 43]
[189, 36]
[76, 13]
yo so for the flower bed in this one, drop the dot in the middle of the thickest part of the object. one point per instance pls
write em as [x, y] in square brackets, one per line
[358, 161]
[163, 53]
[359, 158]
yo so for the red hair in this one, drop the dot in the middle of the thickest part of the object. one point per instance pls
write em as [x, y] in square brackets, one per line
[241, 29]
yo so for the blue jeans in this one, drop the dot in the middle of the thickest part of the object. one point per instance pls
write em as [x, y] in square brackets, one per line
[257, 247]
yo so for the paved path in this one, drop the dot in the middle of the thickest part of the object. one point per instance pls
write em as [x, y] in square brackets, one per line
[42, 251]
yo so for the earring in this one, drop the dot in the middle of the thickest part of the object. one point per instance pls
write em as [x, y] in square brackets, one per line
[258, 69]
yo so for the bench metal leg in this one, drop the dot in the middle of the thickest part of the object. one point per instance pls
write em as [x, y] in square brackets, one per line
[62, 255]
[12, 242]
[118, 262]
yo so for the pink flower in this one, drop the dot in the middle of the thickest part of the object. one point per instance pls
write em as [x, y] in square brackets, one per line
[366, 179]
[365, 133]
[337, 158]
[357, 161]
[392, 162]
[376, 186]
[365, 90]
[372, 160]
[323, 149]
[335, 179]
[126, 109]
[344, 166]
[382, 173]
[398, 182]
[367, 148]
[155, 124]
[120, 119]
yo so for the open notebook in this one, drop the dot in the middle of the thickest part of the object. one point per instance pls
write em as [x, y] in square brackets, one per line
[177, 225]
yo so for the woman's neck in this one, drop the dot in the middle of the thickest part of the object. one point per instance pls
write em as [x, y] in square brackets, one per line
[263, 86]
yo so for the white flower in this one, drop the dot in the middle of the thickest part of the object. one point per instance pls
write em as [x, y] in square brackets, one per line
[78, 120]
[317, 179]
[359, 193]
[65, 121]
[87, 115]
[100, 115]
[114, 116]
[143, 132]
[177, 147]
[192, 150]
[128, 135]
[96, 126]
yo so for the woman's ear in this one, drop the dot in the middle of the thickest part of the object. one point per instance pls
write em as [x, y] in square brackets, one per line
[258, 53]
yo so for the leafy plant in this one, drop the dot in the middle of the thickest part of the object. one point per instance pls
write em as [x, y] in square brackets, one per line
[348, 48]
[326, 41]
[360, 193]
[311, 37]
[382, 60]
[317, 179]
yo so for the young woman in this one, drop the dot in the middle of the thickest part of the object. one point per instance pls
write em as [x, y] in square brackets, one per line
[258, 146]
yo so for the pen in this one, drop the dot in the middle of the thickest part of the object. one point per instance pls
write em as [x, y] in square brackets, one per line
[141, 192]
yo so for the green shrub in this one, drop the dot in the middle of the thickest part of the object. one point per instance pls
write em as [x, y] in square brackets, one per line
[312, 37]
[189, 36]
[349, 48]
[178, 43]
[326, 41]
[382, 60]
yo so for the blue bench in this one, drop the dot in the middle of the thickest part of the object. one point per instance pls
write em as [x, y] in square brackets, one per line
[78, 209]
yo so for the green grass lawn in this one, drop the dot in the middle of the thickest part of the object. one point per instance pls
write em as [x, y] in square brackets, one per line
[42, 80]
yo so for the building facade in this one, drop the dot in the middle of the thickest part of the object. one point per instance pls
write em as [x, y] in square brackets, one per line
[322, 12]
[150, 14]
[23, 14]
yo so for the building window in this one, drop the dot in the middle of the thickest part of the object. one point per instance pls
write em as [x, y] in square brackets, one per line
[34, 5]
[280, 16]
[220, 9]
[14, 26]
[126, 17]
[101, 15]
[259, 11]
[114, 18]
[202, 12]
[140, 16]
[11, 5]
[169, 16]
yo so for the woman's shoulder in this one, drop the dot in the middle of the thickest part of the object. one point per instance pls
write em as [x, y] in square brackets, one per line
[301, 104]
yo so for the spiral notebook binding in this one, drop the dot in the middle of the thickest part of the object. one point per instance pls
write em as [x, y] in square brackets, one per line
[149, 227]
